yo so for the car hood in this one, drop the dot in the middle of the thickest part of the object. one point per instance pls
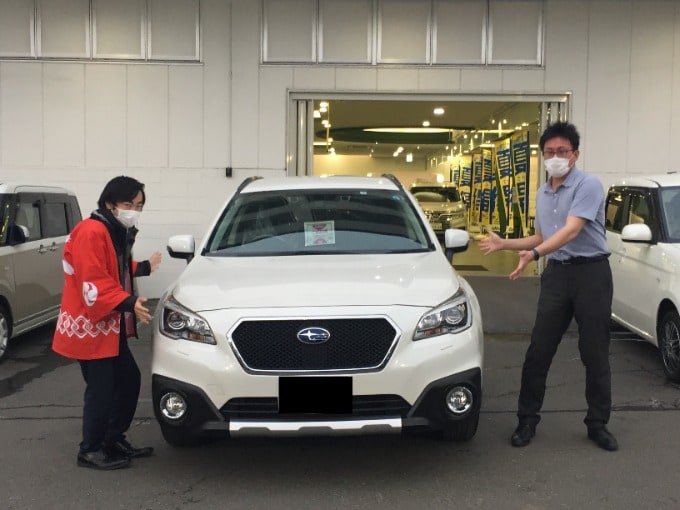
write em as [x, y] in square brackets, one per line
[210, 283]
[442, 206]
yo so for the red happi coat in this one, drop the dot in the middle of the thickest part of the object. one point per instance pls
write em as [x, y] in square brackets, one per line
[88, 327]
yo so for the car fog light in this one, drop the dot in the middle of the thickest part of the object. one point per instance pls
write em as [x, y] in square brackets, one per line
[173, 405]
[459, 400]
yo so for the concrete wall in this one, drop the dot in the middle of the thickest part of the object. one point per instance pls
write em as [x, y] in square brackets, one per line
[177, 126]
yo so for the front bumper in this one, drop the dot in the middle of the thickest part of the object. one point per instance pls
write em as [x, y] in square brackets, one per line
[369, 414]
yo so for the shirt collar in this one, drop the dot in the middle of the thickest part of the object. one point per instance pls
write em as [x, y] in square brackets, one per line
[569, 181]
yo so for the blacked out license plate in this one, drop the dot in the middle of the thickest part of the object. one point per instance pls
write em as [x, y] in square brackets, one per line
[318, 395]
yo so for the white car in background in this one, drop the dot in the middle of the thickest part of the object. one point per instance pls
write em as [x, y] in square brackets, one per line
[318, 306]
[443, 205]
[643, 234]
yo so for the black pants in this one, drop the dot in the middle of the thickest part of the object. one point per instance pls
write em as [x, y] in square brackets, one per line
[111, 393]
[583, 292]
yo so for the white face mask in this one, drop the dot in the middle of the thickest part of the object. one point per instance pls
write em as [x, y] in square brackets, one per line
[557, 167]
[128, 217]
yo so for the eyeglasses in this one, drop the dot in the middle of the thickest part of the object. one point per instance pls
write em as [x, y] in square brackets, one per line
[560, 153]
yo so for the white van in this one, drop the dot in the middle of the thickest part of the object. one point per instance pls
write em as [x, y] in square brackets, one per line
[34, 224]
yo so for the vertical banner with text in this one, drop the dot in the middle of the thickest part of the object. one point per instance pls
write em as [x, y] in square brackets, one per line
[476, 214]
[505, 184]
[520, 146]
[487, 185]
[465, 183]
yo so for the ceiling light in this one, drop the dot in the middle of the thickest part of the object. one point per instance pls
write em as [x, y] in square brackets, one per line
[400, 149]
[323, 104]
[407, 130]
[323, 109]
[409, 157]
[438, 111]
[317, 114]
[426, 123]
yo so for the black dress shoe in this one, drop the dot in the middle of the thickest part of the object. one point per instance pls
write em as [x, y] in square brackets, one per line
[124, 449]
[101, 459]
[522, 435]
[603, 438]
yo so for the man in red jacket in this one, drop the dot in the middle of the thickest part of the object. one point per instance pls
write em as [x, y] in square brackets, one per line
[97, 315]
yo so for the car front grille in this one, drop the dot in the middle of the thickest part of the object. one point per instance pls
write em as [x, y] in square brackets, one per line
[354, 345]
[254, 408]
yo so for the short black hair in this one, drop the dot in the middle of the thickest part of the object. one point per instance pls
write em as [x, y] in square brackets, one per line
[562, 130]
[121, 189]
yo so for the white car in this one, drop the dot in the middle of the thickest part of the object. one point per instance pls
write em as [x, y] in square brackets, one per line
[318, 306]
[443, 205]
[643, 234]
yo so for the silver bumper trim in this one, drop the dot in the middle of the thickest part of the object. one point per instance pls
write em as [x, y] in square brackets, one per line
[316, 427]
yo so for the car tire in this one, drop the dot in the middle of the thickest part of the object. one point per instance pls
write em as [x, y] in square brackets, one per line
[461, 430]
[669, 345]
[5, 331]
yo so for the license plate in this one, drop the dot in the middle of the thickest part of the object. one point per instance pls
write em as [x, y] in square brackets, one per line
[318, 395]
[436, 226]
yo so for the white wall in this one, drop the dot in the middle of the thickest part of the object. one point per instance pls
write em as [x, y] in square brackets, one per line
[176, 126]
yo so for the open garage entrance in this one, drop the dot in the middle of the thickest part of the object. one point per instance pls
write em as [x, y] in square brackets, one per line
[485, 146]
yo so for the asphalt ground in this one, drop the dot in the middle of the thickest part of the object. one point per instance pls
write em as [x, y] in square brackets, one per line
[40, 419]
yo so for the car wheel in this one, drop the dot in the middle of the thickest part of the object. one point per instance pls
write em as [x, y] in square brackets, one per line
[5, 331]
[669, 345]
[461, 430]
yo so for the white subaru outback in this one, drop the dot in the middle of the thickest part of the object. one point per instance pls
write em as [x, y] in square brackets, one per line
[318, 306]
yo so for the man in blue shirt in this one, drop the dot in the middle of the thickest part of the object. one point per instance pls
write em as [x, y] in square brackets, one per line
[576, 283]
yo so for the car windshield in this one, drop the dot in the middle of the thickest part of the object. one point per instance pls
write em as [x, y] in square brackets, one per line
[435, 194]
[670, 201]
[311, 222]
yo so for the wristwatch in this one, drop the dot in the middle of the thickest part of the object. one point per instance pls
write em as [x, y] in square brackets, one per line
[536, 254]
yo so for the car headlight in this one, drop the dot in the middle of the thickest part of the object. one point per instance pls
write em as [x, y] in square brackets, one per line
[181, 323]
[453, 316]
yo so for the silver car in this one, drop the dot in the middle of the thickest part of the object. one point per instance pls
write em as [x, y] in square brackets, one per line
[34, 224]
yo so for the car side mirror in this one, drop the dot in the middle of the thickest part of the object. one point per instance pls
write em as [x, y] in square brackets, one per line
[182, 247]
[18, 234]
[455, 241]
[637, 233]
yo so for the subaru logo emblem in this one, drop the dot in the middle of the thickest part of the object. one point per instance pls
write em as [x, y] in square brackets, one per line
[313, 335]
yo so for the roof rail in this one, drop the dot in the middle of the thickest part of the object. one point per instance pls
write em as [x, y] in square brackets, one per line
[245, 183]
[396, 181]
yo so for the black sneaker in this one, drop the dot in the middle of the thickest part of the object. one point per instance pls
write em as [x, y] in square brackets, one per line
[101, 459]
[522, 435]
[124, 449]
[603, 438]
